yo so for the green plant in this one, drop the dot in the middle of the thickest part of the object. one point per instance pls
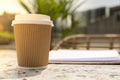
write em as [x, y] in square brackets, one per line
[7, 35]
[53, 8]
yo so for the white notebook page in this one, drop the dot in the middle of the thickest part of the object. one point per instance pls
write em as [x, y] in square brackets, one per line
[84, 55]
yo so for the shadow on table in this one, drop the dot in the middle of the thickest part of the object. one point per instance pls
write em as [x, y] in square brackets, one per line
[16, 73]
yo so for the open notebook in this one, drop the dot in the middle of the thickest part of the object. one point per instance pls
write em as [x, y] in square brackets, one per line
[84, 56]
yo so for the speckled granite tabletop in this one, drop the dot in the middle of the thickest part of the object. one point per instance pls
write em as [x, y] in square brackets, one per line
[10, 71]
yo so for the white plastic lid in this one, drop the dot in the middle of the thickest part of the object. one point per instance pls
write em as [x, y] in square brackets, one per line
[32, 19]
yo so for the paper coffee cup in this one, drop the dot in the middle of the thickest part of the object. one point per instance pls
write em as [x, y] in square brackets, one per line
[32, 38]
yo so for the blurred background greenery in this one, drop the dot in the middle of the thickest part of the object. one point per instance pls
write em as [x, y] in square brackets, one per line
[6, 31]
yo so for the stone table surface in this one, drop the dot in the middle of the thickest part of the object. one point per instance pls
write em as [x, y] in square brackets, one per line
[9, 70]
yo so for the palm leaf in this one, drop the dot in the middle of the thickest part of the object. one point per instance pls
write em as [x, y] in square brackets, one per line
[25, 6]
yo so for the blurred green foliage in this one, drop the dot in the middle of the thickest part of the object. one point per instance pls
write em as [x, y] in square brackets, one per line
[53, 8]
[7, 35]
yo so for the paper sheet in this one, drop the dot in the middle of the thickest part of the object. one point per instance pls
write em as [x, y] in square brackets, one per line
[84, 55]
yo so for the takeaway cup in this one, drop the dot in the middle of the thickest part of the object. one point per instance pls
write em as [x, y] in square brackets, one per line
[32, 38]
